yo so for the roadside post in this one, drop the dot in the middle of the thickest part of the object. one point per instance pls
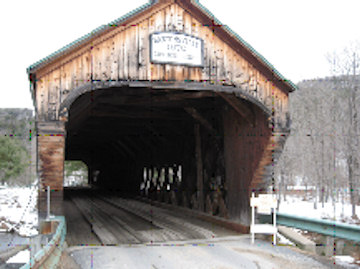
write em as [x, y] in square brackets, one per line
[264, 203]
[48, 203]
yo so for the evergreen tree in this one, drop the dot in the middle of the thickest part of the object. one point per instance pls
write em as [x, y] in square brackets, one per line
[13, 157]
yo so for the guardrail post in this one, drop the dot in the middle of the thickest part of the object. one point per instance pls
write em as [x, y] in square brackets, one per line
[48, 202]
[339, 247]
[329, 247]
[274, 223]
[35, 245]
[266, 204]
[32, 249]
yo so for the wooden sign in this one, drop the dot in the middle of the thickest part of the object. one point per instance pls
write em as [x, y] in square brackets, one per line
[176, 48]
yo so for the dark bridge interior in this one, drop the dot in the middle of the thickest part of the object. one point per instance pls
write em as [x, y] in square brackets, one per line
[167, 145]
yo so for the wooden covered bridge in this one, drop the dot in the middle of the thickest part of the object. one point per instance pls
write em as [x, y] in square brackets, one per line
[164, 102]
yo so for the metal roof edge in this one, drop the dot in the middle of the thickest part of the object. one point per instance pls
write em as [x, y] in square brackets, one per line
[246, 44]
[87, 36]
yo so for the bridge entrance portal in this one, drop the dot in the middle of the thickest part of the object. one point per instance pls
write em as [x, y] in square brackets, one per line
[162, 105]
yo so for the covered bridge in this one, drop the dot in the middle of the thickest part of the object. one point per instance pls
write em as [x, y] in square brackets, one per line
[164, 102]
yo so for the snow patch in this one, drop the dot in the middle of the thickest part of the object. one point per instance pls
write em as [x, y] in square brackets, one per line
[18, 210]
[344, 258]
[21, 257]
[284, 241]
[294, 205]
[346, 261]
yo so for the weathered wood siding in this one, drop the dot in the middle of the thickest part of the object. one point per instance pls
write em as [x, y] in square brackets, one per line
[123, 54]
[243, 149]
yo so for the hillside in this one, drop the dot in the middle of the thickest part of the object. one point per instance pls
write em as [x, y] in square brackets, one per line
[322, 149]
[18, 124]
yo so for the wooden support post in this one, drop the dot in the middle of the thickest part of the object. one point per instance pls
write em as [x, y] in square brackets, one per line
[50, 165]
[239, 107]
[204, 122]
[126, 148]
[199, 167]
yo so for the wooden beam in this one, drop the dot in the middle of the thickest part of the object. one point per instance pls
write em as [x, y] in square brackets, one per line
[155, 99]
[76, 121]
[239, 107]
[126, 148]
[115, 129]
[106, 110]
[147, 142]
[191, 95]
[132, 142]
[199, 167]
[126, 122]
[204, 122]
[85, 144]
[156, 135]
[112, 146]
[81, 110]
[100, 132]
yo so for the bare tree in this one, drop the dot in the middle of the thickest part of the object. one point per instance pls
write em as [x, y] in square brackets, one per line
[323, 147]
[346, 70]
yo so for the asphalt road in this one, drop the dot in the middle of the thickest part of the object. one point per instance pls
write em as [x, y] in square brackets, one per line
[219, 253]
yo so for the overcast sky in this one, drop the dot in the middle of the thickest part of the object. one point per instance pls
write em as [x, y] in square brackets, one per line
[293, 35]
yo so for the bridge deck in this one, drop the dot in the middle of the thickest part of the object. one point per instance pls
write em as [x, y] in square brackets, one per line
[110, 220]
[113, 231]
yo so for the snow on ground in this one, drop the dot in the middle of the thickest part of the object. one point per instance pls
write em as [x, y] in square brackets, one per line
[346, 261]
[295, 206]
[18, 210]
[344, 258]
[21, 257]
[284, 241]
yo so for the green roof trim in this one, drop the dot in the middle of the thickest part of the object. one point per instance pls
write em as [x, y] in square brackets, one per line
[84, 38]
[256, 54]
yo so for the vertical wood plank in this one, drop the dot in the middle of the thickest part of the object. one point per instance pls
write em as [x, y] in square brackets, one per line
[135, 60]
[121, 56]
[142, 48]
[126, 56]
[157, 25]
[132, 55]
[179, 20]
[114, 59]
[45, 96]
[57, 92]
[169, 26]
[106, 52]
[149, 66]
[96, 63]
[78, 71]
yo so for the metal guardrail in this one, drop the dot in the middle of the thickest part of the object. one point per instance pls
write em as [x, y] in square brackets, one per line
[321, 226]
[50, 254]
